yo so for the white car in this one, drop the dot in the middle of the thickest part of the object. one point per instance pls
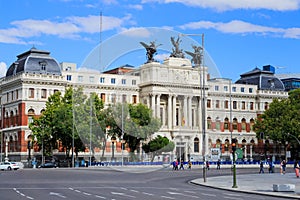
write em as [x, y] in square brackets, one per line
[9, 166]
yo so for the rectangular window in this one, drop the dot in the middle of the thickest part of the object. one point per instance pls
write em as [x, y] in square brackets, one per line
[208, 103]
[80, 78]
[31, 93]
[124, 98]
[12, 95]
[69, 77]
[123, 81]
[243, 105]
[233, 89]
[133, 82]
[225, 88]
[113, 81]
[44, 94]
[234, 105]
[217, 103]
[242, 89]
[113, 98]
[251, 106]
[226, 104]
[102, 79]
[92, 79]
[216, 88]
[134, 99]
[102, 96]
[250, 90]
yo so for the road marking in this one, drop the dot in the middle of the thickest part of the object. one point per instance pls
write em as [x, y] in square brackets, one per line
[85, 193]
[77, 191]
[192, 192]
[135, 191]
[20, 193]
[148, 194]
[122, 194]
[57, 194]
[211, 195]
[167, 197]
[185, 195]
[100, 197]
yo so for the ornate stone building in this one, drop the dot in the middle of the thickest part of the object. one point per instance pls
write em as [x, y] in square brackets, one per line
[174, 90]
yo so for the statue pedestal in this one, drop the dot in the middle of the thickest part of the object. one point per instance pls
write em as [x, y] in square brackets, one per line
[178, 62]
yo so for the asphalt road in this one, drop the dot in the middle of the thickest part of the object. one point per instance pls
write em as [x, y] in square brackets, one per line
[113, 184]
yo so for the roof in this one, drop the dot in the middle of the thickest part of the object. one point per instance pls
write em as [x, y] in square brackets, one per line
[34, 61]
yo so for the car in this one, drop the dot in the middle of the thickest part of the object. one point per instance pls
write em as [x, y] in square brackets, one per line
[9, 166]
[48, 165]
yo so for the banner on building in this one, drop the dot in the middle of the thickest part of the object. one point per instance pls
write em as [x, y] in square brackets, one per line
[215, 154]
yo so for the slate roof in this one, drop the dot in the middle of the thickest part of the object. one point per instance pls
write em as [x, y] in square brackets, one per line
[34, 61]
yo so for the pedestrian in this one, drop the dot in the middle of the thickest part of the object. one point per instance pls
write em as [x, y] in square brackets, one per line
[271, 166]
[176, 165]
[190, 165]
[181, 165]
[219, 164]
[207, 165]
[296, 167]
[261, 167]
[282, 167]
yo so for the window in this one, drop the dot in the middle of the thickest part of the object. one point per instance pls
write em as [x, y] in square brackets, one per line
[266, 105]
[80, 78]
[243, 124]
[250, 90]
[12, 95]
[208, 123]
[92, 79]
[251, 106]
[102, 96]
[243, 105]
[133, 82]
[69, 77]
[234, 124]
[251, 124]
[56, 91]
[218, 124]
[225, 88]
[124, 98]
[113, 81]
[196, 145]
[102, 79]
[208, 103]
[44, 94]
[68, 68]
[113, 98]
[233, 89]
[134, 99]
[216, 88]
[226, 124]
[226, 104]
[31, 93]
[123, 81]
[30, 115]
[234, 105]
[242, 89]
[217, 103]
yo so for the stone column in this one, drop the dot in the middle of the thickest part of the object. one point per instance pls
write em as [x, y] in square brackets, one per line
[185, 119]
[158, 106]
[251, 159]
[153, 104]
[245, 152]
[169, 116]
[174, 111]
[190, 111]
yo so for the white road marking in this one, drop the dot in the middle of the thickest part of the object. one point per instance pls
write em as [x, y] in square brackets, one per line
[167, 197]
[211, 195]
[185, 195]
[100, 197]
[85, 193]
[135, 191]
[57, 194]
[122, 194]
[148, 194]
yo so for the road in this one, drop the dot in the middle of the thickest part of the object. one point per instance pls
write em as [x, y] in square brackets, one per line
[113, 184]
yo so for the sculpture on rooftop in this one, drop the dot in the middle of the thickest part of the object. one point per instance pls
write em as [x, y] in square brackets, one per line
[151, 50]
[176, 51]
[196, 55]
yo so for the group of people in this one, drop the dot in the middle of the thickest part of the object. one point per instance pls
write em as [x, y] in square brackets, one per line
[283, 163]
[176, 163]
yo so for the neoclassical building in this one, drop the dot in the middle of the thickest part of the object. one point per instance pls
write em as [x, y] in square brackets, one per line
[198, 113]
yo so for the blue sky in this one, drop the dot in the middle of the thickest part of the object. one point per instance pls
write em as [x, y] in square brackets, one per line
[239, 35]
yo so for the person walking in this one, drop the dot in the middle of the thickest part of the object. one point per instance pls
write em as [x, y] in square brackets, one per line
[181, 165]
[219, 164]
[296, 167]
[190, 165]
[261, 167]
[207, 165]
[282, 167]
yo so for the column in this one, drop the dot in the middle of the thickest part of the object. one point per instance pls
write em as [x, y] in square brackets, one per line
[185, 119]
[174, 111]
[245, 152]
[153, 104]
[251, 159]
[158, 106]
[169, 111]
[190, 111]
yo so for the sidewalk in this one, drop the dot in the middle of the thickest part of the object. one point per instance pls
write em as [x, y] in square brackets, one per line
[255, 183]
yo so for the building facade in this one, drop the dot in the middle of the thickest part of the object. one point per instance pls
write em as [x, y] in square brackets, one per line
[200, 115]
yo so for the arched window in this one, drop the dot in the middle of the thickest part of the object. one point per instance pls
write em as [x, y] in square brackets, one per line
[234, 124]
[243, 124]
[208, 123]
[218, 144]
[30, 115]
[266, 105]
[251, 124]
[226, 145]
[196, 145]
[11, 117]
[226, 124]
[218, 123]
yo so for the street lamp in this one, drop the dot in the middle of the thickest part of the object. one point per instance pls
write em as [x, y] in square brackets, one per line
[113, 140]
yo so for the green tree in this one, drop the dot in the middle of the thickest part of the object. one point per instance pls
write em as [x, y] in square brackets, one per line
[157, 146]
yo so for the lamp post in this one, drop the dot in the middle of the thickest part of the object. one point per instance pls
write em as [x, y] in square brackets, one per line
[202, 96]
[113, 140]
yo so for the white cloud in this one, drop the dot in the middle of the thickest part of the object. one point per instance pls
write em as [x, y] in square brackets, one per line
[224, 5]
[137, 32]
[136, 6]
[241, 27]
[3, 69]
[70, 27]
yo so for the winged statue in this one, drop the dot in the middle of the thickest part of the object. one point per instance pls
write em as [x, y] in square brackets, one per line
[177, 52]
[196, 55]
[151, 50]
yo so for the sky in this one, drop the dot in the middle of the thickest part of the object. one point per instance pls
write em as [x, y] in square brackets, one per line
[239, 35]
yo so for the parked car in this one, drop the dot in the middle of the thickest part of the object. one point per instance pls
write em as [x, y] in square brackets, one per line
[9, 166]
[48, 165]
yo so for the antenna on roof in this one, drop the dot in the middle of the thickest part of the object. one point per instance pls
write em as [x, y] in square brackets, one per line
[100, 42]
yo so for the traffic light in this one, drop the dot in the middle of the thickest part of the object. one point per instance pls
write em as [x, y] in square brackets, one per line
[233, 144]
